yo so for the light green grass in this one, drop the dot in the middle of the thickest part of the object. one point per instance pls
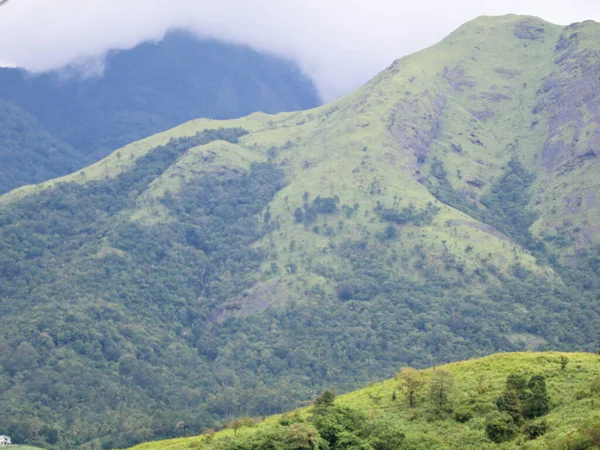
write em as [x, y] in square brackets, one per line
[376, 400]
[22, 447]
[430, 100]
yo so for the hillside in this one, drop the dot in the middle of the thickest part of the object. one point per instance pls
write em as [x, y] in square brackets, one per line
[379, 417]
[443, 211]
[29, 153]
[142, 91]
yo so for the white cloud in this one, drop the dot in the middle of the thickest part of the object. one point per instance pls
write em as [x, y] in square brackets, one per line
[340, 43]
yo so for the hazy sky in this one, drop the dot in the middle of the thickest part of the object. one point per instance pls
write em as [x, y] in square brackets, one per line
[339, 43]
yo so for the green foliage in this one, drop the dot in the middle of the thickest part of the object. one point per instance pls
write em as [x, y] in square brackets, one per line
[143, 91]
[241, 422]
[534, 430]
[385, 434]
[506, 204]
[207, 255]
[586, 436]
[413, 382]
[320, 205]
[29, 153]
[510, 403]
[163, 327]
[325, 399]
[440, 389]
[463, 414]
[524, 399]
[408, 215]
[369, 418]
[325, 205]
[518, 383]
[500, 427]
[538, 401]
[595, 385]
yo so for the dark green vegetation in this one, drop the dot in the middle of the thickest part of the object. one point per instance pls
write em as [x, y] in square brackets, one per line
[28, 152]
[145, 90]
[504, 401]
[205, 273]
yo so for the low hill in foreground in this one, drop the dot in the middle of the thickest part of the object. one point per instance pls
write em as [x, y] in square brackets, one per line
[379, 417]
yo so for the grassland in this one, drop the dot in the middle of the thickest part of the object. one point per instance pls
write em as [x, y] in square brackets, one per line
[477, 384]
[466, 101]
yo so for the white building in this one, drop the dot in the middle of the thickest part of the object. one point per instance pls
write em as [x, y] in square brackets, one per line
[5, 440]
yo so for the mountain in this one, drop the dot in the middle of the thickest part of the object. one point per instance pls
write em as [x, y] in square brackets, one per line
[29, 153]
[379, 417]
[443, 211]
[142, 91]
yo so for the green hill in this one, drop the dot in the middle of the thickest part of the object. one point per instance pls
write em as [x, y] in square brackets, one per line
[144, 90]
[379, 417]
[443, 211]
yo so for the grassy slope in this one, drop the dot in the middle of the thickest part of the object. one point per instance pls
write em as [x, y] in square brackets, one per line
[566, 413]
[476, 89]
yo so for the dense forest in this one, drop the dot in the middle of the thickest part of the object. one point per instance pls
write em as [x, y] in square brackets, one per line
[120, 340]
[29, 153]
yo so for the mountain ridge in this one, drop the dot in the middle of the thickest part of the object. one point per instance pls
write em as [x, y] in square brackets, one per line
[150, 88]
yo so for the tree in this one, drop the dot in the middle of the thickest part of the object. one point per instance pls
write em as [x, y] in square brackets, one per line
[385, 435]
[538, 402]
[391, 232]
[440, 389]
[413, 381]
[564, 360]
[325, 400]
[510, 403]
[300, 436]
[500, 427]
[241, 422]
[516, 382]
[482, 383]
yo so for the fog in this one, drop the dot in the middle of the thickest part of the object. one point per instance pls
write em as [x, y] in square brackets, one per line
[339, 43]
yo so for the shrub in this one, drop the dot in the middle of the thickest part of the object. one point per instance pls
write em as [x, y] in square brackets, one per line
[538, 403]
[325, 400]
[587, 436]
[536, 429]
[345, 291]
[500, 428]
[385, 435]
[463, 415]
[509, 402]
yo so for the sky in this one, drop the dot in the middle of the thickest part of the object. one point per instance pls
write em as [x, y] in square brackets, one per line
[340, 44]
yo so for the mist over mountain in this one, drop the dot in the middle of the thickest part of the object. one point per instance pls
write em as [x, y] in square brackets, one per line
[445, 210]
[142, 91]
